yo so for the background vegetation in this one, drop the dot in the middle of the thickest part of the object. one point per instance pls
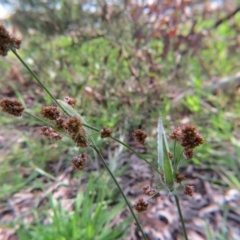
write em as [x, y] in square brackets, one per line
[126, 64]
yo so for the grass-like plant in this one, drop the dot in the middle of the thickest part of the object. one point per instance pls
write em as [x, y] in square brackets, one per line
[63, 120]
[89, 219]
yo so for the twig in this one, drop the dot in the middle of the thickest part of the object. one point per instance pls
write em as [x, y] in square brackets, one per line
[224, 19]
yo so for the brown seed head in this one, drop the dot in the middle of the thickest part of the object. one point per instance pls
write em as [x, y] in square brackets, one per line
[189, 190]
[50, 133]
[140, 136]
[78, 162]
[190, 137]
[80, 138]
[141, 205]
[60, 123]
[50, 112]
[188, 153]
[7, 42]
[73, 125]
[70, 101]
[12, 107]
[179, 177]
[148, 191]
[106, 132]
[176, 134]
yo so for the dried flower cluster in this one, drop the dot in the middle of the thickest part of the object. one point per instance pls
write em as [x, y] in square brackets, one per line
[50, 133]
[176, 134]
[71, 101]
[188, 138]
[140, 136]
[141, 205]
[71, 125]
[12, 107]
[179, 177]
[60, 123]
[189, 190]
[7, 42]
[148, 191]
[80, 138]
[78, 162]
[188, 153]
[106, 132]
[50, 112]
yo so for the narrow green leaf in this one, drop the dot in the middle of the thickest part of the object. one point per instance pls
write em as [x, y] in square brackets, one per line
[163, 157]
[168, 172]
[160, 145]
[70, 110]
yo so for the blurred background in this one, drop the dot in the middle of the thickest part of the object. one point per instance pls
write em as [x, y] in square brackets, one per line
[127, 63]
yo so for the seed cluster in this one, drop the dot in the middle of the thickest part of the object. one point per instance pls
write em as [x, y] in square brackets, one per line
[179, 177]
[189, 190]
[7, 42]
[106, 132]
[80, 138]
[50, 112]
[60, 123]
[78, 162]
[140, 205]
[50, 133]
[12, 107]
[71, 101]
[148, 191]
[188, 137]
[71, 125]
[140, 136]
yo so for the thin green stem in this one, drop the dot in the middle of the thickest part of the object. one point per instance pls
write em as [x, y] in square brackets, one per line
[90, 127]
[181, 217]
[38, 118]
[139, 155]
[38, 80]
[120, 189]
[174, 148]
[174, 158]
[126, 146]
[177, 161]
[45, 122]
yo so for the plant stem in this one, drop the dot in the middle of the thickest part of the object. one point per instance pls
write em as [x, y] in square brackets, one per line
[139, 155]
[45, 122]
[92, 128]
[38, 80]
[180, 215]
[38, 118]
[177, 161]
[126, 146]
[116, 182]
